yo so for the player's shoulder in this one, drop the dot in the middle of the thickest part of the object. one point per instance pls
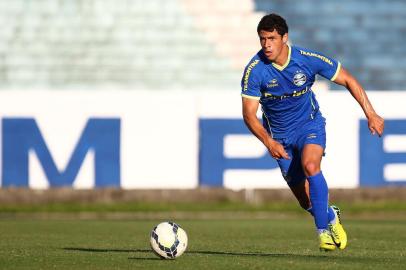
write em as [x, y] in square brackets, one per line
[303, 51]
[306, 54]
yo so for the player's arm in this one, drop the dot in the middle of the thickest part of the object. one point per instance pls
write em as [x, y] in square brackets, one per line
[375, 122]
[249, 111]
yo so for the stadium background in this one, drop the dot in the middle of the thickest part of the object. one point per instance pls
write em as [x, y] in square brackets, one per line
[116, 115]
[137, 94]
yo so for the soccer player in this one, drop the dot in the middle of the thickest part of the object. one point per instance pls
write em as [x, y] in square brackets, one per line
[280, 78]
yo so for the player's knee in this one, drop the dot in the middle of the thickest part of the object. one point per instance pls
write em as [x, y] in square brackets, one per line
[311, 168]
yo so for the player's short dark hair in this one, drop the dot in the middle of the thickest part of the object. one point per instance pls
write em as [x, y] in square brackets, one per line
[272, 22]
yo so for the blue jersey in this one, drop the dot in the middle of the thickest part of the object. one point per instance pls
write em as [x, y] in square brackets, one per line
[284, 92]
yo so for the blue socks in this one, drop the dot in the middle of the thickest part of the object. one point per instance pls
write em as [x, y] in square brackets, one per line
[330, 213]
[319, 200]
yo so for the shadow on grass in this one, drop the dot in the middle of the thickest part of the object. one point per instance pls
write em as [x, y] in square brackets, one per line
[198, 252]
[325, 256]
[117, 250]
[105, 249]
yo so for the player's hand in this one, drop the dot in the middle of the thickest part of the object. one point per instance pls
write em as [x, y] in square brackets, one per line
[376, 124]
[277, 151]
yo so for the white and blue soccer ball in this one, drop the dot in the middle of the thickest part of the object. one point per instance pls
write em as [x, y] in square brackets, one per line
[168, 240]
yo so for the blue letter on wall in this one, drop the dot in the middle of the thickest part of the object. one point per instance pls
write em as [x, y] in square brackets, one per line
[21, 135]
[213, 163]
[373, 157]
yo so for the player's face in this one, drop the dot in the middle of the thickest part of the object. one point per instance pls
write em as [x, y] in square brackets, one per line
[272, 43]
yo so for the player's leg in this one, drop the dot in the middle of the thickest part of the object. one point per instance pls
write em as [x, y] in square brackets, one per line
[301, 192]
[318, 192]
[294, 175]
[299, 186]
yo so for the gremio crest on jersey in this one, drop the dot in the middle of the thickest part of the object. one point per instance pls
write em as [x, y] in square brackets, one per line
[299, 79]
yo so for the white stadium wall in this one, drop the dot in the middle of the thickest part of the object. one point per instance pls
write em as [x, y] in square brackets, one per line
[180, 140]
[157, 133]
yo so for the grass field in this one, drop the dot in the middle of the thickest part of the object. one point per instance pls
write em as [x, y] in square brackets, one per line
[233, 242]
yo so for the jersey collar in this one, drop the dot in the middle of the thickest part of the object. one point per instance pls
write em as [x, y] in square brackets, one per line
[280, 68]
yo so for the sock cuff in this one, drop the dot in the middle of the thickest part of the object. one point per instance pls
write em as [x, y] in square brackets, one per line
[317, 175]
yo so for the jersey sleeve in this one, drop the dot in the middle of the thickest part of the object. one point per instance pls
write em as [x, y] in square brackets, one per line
[251, 81]
[323, 65]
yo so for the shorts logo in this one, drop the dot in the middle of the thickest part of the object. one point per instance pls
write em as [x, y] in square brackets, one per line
[311, 136]
[299, 79]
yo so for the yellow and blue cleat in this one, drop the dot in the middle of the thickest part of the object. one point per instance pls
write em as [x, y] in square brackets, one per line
[337, 230]
[326, 241]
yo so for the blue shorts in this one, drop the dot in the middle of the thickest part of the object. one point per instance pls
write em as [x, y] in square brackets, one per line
[312, 132]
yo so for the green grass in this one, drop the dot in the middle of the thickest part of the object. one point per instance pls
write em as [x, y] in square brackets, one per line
[290, 207]
[272, 243]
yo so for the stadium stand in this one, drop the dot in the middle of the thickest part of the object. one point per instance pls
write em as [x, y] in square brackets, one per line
[185, 44]
[97, 44]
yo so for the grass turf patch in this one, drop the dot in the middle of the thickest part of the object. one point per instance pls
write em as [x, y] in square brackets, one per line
[213, 244]
[289, 207]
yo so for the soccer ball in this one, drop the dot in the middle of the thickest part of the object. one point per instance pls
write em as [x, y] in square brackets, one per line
[168, 240]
